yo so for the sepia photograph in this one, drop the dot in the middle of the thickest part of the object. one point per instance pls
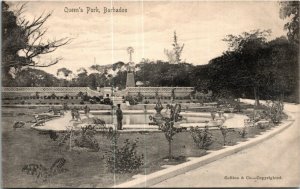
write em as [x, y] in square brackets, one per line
[146, 93]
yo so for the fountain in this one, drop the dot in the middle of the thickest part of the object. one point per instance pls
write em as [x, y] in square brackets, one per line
[173, 114]
[157, 118]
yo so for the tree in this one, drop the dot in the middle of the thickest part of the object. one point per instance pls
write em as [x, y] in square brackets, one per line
[66, 72]
[168, 126]
[23, 41]
[34, 78]
[174, 55]
[97, 67]
[81, 77]
[245, 56]
[290, 9]
[282, 69]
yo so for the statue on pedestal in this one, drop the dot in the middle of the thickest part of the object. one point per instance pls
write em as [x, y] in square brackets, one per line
[130, 82]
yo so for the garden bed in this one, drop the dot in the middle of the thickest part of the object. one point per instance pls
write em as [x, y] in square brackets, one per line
[25, 146]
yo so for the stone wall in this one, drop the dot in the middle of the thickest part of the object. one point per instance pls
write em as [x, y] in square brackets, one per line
[46, 91]
[160, 91]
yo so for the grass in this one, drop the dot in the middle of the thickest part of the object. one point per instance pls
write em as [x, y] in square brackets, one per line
[25, 146]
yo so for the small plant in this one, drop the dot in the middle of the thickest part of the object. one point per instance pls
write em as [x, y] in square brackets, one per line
[139, 97]
[83, 139]
[259, 115]
[168, 126]
[131, 100]
[169, 131]
[86, 138]
[99, 122]
[123, 159]
[243, 132]
[112, 135]
[275, 111]
[43, 173]
[18, 124]
[224, 130]
[202, 137]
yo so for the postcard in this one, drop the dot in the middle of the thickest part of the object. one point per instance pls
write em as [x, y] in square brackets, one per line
[150, 94]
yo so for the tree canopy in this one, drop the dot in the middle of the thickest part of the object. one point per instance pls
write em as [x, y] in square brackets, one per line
[23, 41]
[290, 9]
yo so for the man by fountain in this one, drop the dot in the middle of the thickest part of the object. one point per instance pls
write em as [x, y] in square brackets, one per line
[73, 113]
[119, 117]
[87, 111]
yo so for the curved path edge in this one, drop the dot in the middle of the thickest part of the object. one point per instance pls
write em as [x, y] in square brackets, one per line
[159, 176]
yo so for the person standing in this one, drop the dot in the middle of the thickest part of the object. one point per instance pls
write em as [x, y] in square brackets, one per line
[77, 114]
[119, 117]
[73, 113]
[65, 106]
[87, 111]
[213, 114]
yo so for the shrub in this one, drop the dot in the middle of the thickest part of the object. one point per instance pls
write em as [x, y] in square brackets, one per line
[201, 137]
[275, 111]
[124, 159]
[44, 173]
[131, 100]
[107, 101]
[224, 130]
[83, 138]
[243, 132]
[86, 138]
[259, 115]
[112, 135]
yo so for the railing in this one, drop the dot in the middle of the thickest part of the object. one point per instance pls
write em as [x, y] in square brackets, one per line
[165, 91]
[159, 89]
[64, 90]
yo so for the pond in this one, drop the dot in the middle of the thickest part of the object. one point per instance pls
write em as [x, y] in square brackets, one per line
[130, 121]
[133, 119]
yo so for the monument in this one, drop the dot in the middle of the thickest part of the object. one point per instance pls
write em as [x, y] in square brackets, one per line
[130, 69]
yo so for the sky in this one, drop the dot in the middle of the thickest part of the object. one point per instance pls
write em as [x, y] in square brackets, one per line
[148, 27]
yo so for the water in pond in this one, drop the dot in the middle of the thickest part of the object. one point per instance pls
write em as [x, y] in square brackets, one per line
[144, 119]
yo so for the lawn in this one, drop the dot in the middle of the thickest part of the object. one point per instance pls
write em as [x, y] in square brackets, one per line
[24, 146]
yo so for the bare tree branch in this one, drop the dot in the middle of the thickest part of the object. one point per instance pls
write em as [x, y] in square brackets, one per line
[52, 62]
[28, 38]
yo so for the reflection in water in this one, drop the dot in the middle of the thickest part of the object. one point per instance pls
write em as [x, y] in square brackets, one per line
[144, 119]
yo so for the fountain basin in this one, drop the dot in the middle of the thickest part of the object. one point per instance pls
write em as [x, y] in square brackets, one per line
[137, 121]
